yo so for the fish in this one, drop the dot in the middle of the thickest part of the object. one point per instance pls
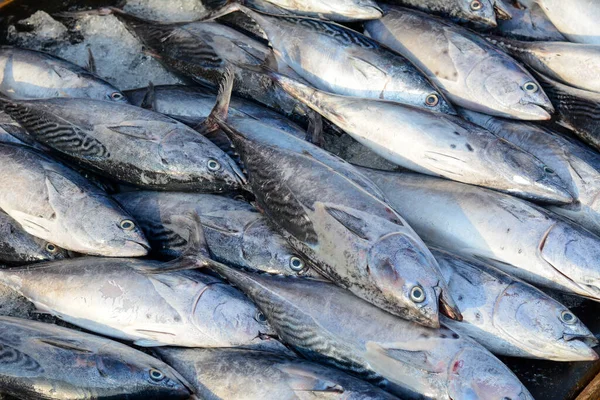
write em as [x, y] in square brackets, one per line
[338, 219]
[576, 109]
[19, 247]
[334, 10]
[510, 317]
[480, 12]
[513, 235]
[435, 144]
[328, 324]
[339, 60]
[56, 204]
[528, 22]
[133, 300]
[576, 164]
[255, 375]
[47, 361]
[127, 143]
[30, 74]
[572, 64]
[577, 20]
[470, 71]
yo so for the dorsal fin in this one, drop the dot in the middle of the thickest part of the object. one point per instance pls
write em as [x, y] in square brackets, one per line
[149, 100]
[91, 64]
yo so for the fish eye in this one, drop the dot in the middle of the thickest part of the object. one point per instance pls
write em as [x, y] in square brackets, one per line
[417, 294]
[213, 165]
[432, 100]
[568, 317]
[296, 264]
[50, 248]
[476, 5]
[127, 225]
[260, 317]
[530, 87]
[548, 170]
[116, 96]
[156, 375]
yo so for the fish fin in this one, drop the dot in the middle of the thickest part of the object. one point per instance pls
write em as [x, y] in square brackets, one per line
[314, 134]
[304, 380]
[36, 226]
[14, 362]
[354, 224]
[221, 108]
[71, 345]
[91, 64]
[147, 343]
[367, 68]
[149, 100]
[389, 357]
[59, 185]
[134, 131]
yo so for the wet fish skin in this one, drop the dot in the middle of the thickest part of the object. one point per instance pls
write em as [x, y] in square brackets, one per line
[30, 74]
[577, 109]
[457, 10]
[334, 10]
[577, 20]
[343, 61]
[510, 317]
[470, 71]
[576, 164]
[254, 375]
[51, 362]
[127, 143]
[54, 203]
[236, 233]
[513, 235]
[573, 64]
[435, 144]
[528, 22]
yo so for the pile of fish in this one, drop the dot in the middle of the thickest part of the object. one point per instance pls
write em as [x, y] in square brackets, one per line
[198, 240]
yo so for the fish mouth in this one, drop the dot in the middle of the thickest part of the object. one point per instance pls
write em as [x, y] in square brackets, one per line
[132, 248]
[581, 347]
[554, 194]
[589, 339]
[447, 306]
[501, 12]
[537, 112]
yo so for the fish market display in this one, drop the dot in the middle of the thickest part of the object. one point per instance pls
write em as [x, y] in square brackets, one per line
[435, 144]
[252, 374]
[510, 317]
[516, 236]
[335, 10]
[470, 71]
[43, 361]
[577, 20]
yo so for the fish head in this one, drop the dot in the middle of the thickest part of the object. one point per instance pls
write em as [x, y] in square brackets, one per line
[437, 102]
[542, 325]
[479, 11]
[49, 251]
[410, 279]
[514, 90]
[475, 374]
[106, 92]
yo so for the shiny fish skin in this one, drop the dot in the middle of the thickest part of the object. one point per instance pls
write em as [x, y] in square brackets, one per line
[236, 233]
[29, 74]
[56, 204]
[256, 375]
[44, 361]
[513, 235]
[468, 69]
[510, 317]
[132, 300]
[577, 20]
[127, 143]
[576, 164]
[458, 10]
[528, 22]
[335, 10]
[328, 324]
[435, 144]
[336, 59]
[572, 64]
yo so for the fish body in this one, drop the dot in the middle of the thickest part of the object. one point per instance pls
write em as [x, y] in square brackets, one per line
[336, 59]
[256, 375]
[435, 144]
[510, 317]
[56, 204]
[469, 70]
[528, 22]
[480, 12]
[577, 20]
[576, 164]
[127, 143]
[513, 235]
[30, 74]
[335, 10]
[45, 361]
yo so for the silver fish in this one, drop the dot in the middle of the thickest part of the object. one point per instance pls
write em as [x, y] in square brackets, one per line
[236, 233]
[336, 59]
[528, 22]
[127, 143]
[479, 11]
[577, 165]
[29, 74]
[577, 20]
[54, 203]
[331, 213]
[45, 361]
[258, 375]
[335, 10]
[513, 235]
[435, 144]
[469, 70]
[510, 317]
[328, 324]
[572, 64]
